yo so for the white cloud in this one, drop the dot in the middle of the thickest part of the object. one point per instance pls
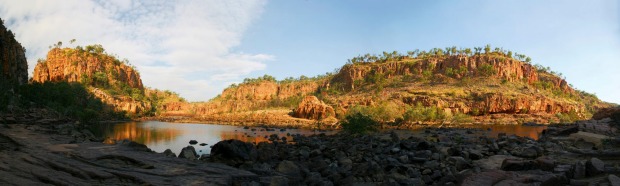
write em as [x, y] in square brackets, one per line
[184, 46]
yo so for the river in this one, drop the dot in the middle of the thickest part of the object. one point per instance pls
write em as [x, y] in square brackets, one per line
[159, 136]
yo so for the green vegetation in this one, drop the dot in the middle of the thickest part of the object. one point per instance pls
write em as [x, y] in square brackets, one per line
[290, 102]
[487, 70]
[568, 117]
[69, 99]
[108, 78]
[421, 113]
[359, 123]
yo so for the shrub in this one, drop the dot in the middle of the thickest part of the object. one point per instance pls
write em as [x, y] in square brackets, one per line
[450, 72]
[421, 113]
[359, 123]
[486, 70]
[461, 118]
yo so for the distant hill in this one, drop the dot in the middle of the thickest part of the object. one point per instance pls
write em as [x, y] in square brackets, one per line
[480, 85]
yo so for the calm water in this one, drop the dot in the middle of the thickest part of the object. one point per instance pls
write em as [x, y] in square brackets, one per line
[160, 136]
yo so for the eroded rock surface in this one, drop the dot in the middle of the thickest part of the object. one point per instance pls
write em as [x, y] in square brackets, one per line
[36, 155]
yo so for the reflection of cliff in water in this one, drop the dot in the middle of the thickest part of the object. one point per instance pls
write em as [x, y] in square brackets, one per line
[144, 135]
[242, 137]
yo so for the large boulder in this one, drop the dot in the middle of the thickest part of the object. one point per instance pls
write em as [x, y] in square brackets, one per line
[233, 152]
[594, 167]
[312, 108]
[189, 153]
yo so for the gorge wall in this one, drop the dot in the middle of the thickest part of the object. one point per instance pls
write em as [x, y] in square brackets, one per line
[506, 68]
[509, 89]
[13, 64]
[110, 80]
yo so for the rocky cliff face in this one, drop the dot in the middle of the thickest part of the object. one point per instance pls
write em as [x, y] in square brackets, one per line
[109, 79]
[268, 90]
[257, 95]
[122, 103]
[13, 65]
[506, 68]
[312, 108]
[73, 65]
[491, 88]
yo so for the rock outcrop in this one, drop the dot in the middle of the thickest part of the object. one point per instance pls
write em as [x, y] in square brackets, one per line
[74, 65]
[252, 96]
[506, 68]
[13, 64]
[312, 108]
[110, 80]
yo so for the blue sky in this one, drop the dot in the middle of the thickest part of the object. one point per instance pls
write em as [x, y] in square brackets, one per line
[197, 48]
[579, 39]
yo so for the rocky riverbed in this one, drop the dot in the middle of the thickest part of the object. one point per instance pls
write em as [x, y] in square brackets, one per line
[60, 152]
[437, 157]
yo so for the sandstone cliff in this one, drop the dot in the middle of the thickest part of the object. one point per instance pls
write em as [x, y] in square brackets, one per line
[13, 65]
[489, 87]
[76, 65]
[113, 82]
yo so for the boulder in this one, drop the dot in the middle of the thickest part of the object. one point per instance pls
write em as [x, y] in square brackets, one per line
[312, 108]
[188, 153]
[233, 152]
[580, 170]
[545, 163]
[596, 139]
[459, 162]
[518, 165]
[289, 168]
[193, 142]
[491, 163]
[594, 167]
[169, 153]
[613, 180]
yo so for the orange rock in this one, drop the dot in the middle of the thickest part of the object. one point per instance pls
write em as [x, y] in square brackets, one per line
[312, 108]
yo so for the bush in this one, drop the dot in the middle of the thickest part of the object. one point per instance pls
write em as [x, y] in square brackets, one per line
[486, 70]
[421, 113]
[358, 123]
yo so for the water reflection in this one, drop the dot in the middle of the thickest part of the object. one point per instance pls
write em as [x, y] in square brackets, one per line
[160, 136]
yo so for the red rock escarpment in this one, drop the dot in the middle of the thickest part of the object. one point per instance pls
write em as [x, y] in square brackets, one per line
[506, 68]
[70, 65]
[91, 69]
[13, 64]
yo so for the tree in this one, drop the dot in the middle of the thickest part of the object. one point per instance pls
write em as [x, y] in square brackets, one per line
[528, 60]
[468, 51]
[478, 50]
[71, 41]
[487, 48]
[486, 70]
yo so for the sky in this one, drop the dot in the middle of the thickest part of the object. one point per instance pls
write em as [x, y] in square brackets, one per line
[197, 48]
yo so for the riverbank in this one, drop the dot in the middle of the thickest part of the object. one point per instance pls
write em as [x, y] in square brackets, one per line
[565, 155]
[61, 152]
